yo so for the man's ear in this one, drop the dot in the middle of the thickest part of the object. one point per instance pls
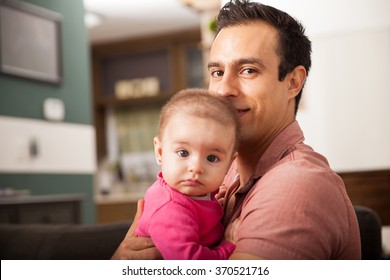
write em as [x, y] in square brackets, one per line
[296, 80]
[157, 150]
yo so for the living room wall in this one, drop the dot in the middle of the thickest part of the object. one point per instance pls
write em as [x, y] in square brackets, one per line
[66, 160]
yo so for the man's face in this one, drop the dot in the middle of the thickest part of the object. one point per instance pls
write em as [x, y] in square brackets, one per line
[243, 67]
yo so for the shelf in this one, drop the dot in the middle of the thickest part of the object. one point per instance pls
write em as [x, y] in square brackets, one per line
[158, 100]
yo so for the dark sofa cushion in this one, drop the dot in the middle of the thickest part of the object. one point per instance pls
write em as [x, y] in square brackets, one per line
[370, 226]
[60, 242]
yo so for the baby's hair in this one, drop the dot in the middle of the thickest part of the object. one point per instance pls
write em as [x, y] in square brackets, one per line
[200, 103]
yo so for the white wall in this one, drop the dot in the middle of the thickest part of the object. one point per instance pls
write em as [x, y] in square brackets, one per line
[335, 16]
[61, 147]
[346, 113]
[345, 110]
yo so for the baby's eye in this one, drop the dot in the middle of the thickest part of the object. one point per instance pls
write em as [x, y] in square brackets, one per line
[182, 153]
[212, 158]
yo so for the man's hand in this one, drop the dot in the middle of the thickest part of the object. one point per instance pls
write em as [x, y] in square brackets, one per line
[134, 247]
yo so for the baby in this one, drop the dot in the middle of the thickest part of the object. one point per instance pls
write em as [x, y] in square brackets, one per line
[195, 146]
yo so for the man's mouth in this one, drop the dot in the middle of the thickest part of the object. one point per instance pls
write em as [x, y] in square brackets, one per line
[241, 112]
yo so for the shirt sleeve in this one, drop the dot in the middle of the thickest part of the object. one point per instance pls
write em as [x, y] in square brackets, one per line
[175, 232]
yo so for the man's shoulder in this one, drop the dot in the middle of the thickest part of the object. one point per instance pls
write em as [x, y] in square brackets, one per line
[304, 171]
[302, 159]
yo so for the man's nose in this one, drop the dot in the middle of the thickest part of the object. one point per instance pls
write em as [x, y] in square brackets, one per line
[227, 86]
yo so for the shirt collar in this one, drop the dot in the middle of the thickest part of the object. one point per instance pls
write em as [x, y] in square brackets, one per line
[282, 145]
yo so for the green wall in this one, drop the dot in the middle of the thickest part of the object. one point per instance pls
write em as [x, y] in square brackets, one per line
[24, 98]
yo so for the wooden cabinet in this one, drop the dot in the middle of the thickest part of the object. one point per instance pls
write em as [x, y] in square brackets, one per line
[174, 59]
[41, 209]
[115, 212]
[370, 189]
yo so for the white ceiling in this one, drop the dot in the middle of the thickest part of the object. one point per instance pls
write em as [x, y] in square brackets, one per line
[135, 18]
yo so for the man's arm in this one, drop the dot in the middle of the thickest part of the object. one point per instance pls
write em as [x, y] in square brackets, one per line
[136, 248]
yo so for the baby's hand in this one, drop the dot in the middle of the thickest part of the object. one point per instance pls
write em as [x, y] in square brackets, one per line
[221, 194]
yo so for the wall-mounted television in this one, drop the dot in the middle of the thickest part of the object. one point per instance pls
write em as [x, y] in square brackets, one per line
[30, 41]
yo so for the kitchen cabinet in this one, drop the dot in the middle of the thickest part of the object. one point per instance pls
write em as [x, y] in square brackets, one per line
[175, 60]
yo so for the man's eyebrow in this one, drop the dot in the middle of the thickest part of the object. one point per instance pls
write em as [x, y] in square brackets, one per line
[241, 61]
[212, 64]
[250, 60]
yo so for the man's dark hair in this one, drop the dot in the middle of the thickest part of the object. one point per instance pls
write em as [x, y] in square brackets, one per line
[294, 48]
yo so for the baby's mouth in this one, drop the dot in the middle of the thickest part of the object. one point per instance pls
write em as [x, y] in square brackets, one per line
[192, 182]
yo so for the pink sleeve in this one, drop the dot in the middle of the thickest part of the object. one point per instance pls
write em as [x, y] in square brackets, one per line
[175, 232]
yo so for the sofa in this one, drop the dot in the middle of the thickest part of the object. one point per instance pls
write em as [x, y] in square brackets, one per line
[99, 242]
[60, 242]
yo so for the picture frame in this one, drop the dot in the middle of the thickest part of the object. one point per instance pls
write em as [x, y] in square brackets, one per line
[30, 42]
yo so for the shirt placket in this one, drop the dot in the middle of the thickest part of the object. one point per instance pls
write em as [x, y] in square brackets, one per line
[235, 200]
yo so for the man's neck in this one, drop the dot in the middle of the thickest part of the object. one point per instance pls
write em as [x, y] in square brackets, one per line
[247, 160]
[250, 153]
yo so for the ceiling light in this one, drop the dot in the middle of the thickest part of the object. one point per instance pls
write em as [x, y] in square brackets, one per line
[92, 20]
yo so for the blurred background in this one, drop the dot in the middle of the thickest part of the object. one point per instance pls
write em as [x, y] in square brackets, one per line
[82, 84]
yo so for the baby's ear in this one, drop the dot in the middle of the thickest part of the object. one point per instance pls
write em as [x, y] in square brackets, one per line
[157, 150]
[235, 154]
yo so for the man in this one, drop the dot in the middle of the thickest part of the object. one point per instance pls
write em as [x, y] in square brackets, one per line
[283, 200]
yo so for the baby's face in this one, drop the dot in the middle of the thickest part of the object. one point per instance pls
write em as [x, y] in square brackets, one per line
[195, 154]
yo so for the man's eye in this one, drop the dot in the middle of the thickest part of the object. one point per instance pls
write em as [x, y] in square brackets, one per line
[182, 153]
[216, 73]
[212, 158]
[249, 71]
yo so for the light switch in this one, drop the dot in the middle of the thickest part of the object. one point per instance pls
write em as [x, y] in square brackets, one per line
[54, 109]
